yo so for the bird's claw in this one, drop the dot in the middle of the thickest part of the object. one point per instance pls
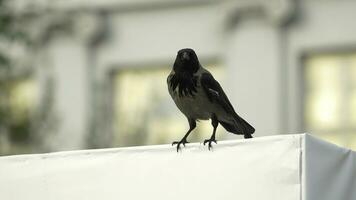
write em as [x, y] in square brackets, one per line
[209, 141]
[183, 142]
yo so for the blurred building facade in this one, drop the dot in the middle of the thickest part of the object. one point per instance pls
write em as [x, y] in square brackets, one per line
[287, 66]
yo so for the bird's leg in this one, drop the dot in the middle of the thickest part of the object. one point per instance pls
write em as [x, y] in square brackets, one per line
[215, 123]
[192, 125]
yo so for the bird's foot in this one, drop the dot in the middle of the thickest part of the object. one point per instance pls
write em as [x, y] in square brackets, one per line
[209, 141]
[248, 136]
[183, 142]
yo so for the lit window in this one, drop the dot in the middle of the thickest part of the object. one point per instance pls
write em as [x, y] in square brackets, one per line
[145, 114]
[17, 105]
[330, 97]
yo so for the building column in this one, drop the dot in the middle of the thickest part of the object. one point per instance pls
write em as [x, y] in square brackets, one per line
[72, 64]
[255, 60]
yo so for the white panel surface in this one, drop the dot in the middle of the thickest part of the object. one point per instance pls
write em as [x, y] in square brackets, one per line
[261, 168]
[330, 171]
[293, 167]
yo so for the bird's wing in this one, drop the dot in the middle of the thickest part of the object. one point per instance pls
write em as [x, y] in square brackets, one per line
[215, 93]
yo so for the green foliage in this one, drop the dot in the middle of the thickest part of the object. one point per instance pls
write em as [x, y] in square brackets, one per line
[10, 31]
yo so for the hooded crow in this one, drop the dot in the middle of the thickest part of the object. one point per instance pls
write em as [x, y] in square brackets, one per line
[200, 97]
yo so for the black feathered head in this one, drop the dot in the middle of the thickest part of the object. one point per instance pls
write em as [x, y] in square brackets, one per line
[186, 61]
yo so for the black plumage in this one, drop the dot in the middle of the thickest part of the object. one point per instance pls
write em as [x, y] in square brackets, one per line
[186, 84]
[199, 96]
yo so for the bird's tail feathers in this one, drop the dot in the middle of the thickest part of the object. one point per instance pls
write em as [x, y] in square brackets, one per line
[239, 127]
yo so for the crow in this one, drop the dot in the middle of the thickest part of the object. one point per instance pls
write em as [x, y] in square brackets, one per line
[200, 97]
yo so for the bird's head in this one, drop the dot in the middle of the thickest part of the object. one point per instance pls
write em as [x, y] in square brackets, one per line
[186, 61]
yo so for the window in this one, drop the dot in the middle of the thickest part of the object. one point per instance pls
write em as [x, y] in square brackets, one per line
[145, 114]
[330, 97]
[17, 105]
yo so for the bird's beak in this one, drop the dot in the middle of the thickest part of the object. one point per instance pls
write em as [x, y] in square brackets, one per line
[185, 56]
